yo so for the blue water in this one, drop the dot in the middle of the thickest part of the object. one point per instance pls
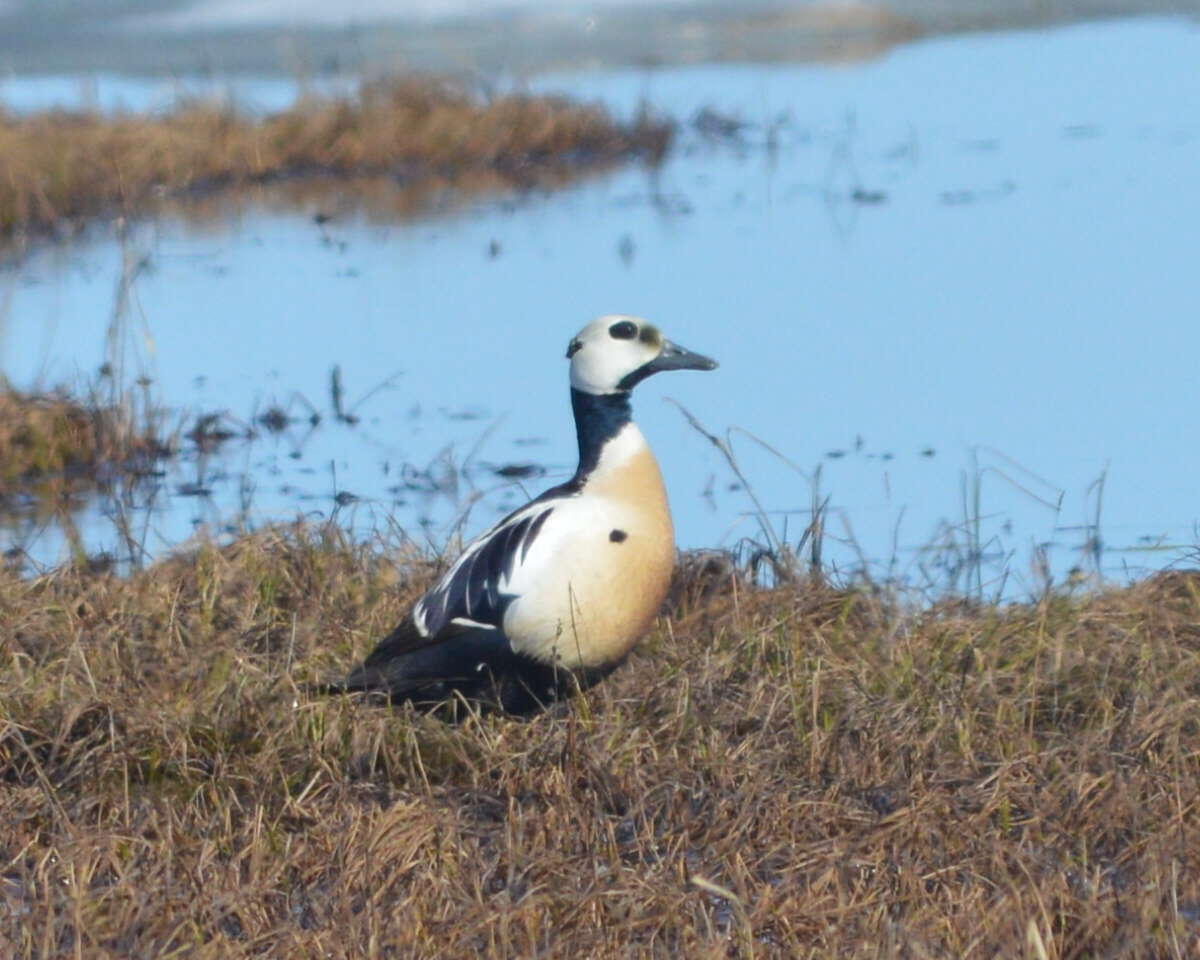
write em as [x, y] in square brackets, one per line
[969, 262]
[113, 92]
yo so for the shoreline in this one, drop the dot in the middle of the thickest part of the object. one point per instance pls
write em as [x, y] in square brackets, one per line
[412, 134]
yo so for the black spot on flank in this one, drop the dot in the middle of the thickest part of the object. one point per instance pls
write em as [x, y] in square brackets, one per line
[618, 536]
[573, 348]
[623, 330]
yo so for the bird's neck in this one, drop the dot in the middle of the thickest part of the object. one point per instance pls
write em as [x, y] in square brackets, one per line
[599, 418]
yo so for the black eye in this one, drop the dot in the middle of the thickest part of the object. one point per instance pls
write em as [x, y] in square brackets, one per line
[573, 348]
[624, 330]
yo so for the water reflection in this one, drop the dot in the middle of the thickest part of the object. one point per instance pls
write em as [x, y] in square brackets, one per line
[935, 301]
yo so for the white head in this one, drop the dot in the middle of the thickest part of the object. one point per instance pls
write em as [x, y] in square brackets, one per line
[615, 353]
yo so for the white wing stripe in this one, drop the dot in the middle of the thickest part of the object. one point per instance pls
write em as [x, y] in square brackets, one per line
[475, 588]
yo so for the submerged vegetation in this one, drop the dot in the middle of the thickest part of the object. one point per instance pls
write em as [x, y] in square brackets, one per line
[798, 771]
[408, 134]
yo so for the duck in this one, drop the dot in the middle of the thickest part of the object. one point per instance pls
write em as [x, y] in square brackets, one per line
[554, 597]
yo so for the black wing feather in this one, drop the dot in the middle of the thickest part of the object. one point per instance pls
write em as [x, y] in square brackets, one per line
[453, 639]
[471, 589]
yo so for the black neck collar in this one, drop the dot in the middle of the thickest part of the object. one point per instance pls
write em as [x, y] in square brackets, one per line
[598, 418]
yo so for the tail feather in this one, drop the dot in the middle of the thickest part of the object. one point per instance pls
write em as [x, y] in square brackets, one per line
[477, 665]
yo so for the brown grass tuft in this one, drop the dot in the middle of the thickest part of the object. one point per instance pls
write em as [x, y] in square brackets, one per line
[53, 444]
[786, 773]
[59, 168]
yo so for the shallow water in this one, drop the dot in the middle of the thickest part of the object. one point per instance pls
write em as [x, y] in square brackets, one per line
[233, 13]
[967, 264]
[492, 38]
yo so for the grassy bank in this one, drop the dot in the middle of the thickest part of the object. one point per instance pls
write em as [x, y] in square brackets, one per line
[58, 169]
[796, 772]
[54, 444]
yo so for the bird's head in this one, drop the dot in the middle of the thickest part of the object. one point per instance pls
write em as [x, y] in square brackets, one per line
[615, 353]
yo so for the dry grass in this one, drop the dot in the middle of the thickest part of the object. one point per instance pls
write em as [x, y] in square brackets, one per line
[792, 773]
[57, 169]
[54, 445]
